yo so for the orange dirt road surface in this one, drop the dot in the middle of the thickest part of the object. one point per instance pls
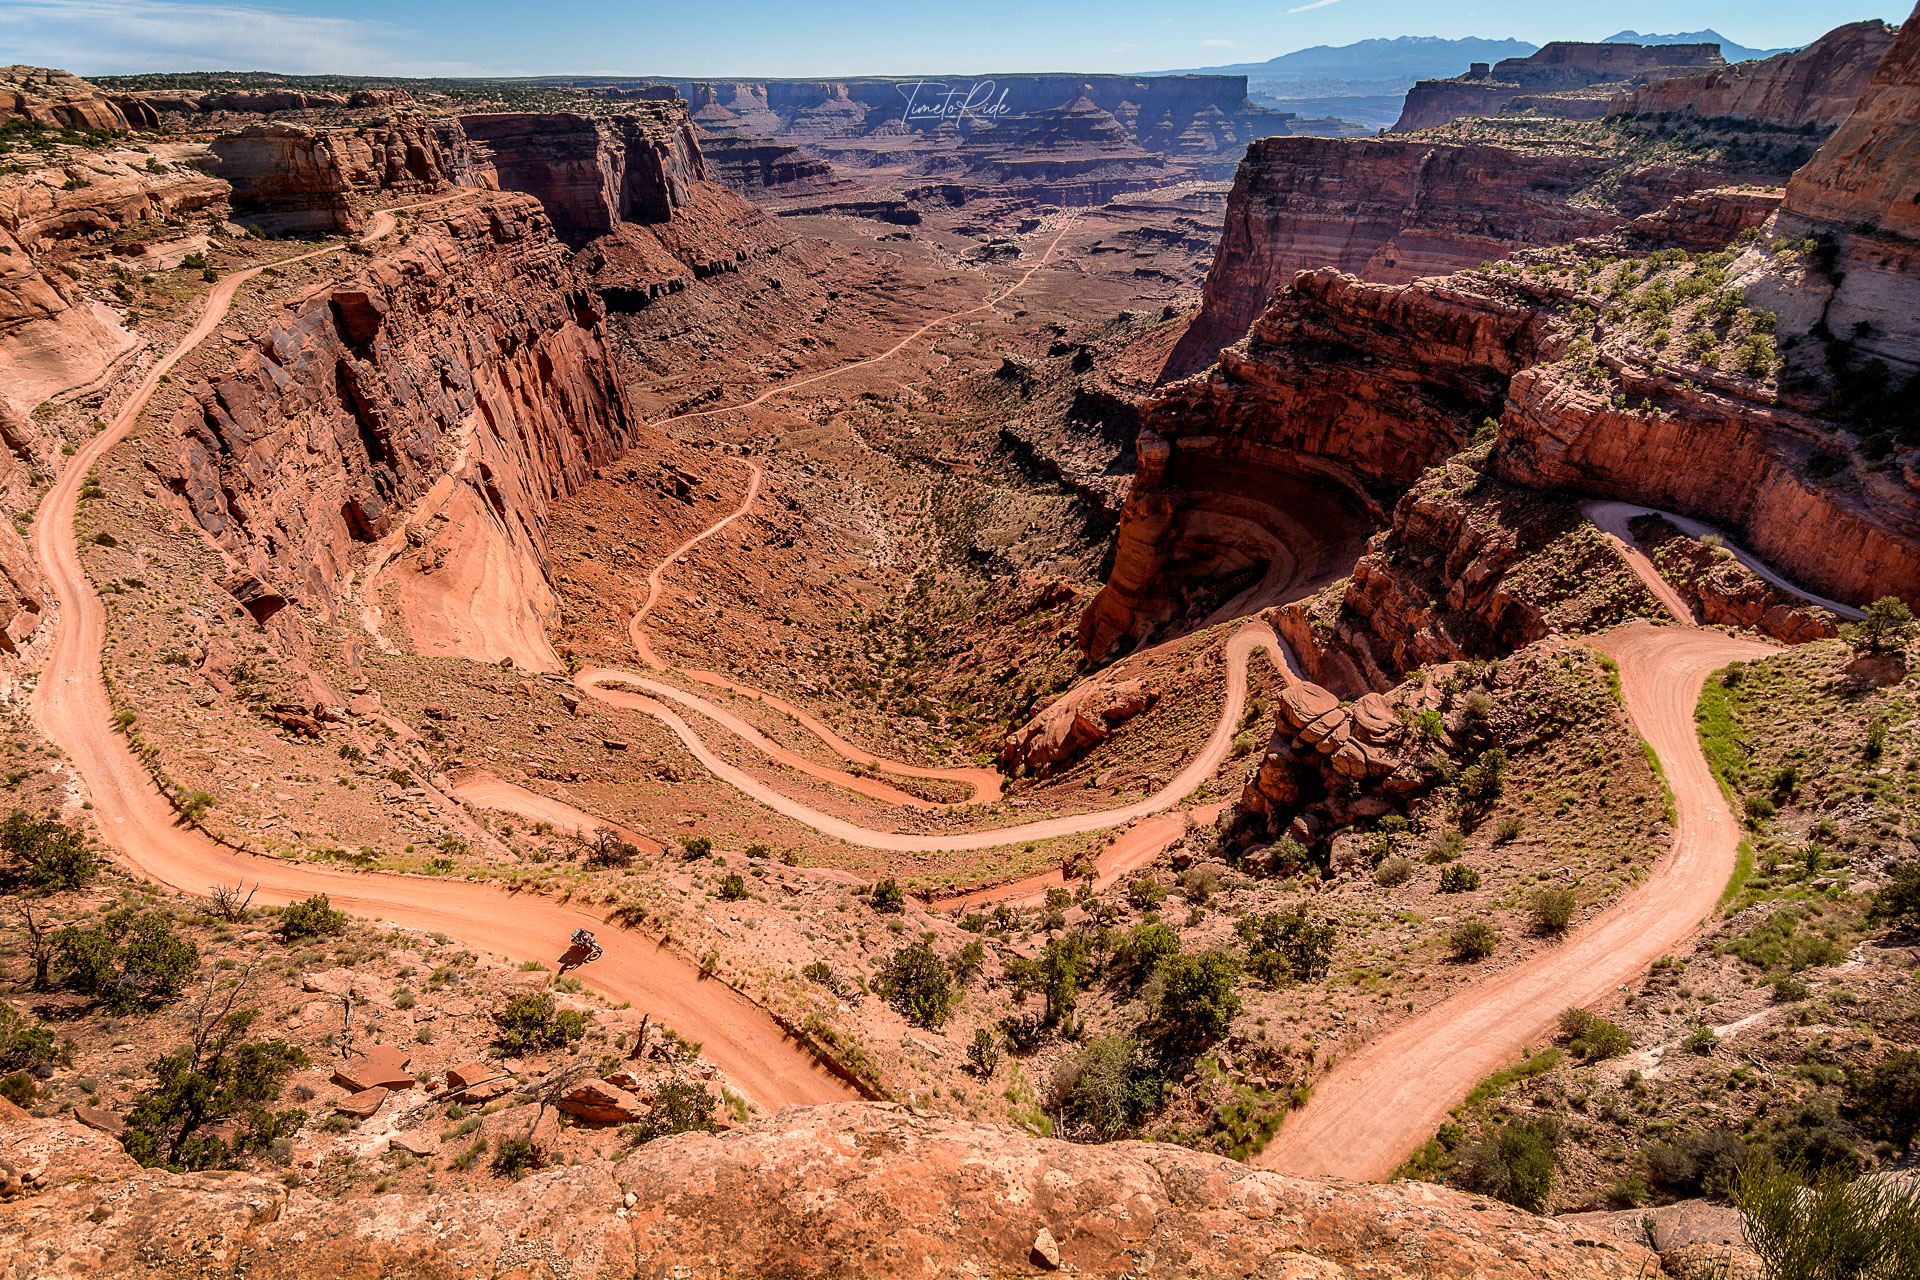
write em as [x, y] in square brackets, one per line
[1377, 1106]
[71, 707]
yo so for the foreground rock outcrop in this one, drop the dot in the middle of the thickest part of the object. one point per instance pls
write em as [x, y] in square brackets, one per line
[844, 1190]
[301, 178]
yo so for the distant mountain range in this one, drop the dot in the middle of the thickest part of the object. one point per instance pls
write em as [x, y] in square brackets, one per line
[1728, 49]
[1407, 58]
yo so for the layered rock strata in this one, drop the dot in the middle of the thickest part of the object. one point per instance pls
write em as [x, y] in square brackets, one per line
[429, 409]
[57, 98]
[848, 1189]
[1862, 190]
[1560, 80]
[1816, 86]
[300, 178]
[1304, 435]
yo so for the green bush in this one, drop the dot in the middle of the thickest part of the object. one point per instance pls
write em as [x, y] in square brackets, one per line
[915, 982]
[1700, 1040]
[1552, 910]
[1109, 1086]
[129, 964]
[1591, 1036]
[1139, 955]
[733, 888]
[1458, 877]
[1059, 973]
[1393, 872]
[1867, 1229]
[1515, 1165]
[1287, 944]
[1889, 624]
[1898, 901]
[46, 854]
[24, 1045]
[1483, 780]
[1197, 1001]
[513, 1157]
[1473, 939]
[679, 1106]
[314, 918]
[19, 1089]
[531, 1021]
[983, 1055]
[696, 846]
[174, 1123]
[888, 897]
[1145, 893]
[1887, 1096]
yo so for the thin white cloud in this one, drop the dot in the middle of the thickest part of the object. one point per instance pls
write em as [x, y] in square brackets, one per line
[108, 37]
[1230, 44]
[1317, 4]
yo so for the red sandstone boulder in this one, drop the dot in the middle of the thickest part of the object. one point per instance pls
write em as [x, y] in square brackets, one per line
[598, 1102]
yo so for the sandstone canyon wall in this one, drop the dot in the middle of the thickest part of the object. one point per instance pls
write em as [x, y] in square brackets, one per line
[1818, 85]
[429, 410]
[1862, 189]
[1557, 80]
[313, 180]
[57, 98]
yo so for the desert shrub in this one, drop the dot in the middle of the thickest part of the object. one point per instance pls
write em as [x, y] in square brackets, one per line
[1838, 1230]
[1198, 885]
[1898, 901]
[1700, 1162]
[45, 854]
[888, 898]
[1145, 893]
[1140, 954]
[733, 888]
[1551, 910]
[1509, 829]
[1458, 877]
[1059, 973]
[968, 961]
[19, 1089]
[1109, 1086]
[608, 848]
[1700, 1040]
[915, 981]
[1446, 846]
[1889, 624]
[1392, 872]
[1197, 1001]
[314, 918]
[1289, 944]
[1591, 1036]
[983, 1055]
[513, 1157]
[531, 1021]
[1482, 781]
[1887, 1096]
[1473, 939]
[24, 1045]
[696, 846]
[130, 964]
[220, 1078]
[1515, 1165]
[679, 1106]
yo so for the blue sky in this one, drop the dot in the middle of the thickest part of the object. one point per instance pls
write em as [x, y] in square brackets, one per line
[748, 38]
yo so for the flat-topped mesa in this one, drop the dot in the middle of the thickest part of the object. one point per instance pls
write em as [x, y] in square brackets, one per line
[1818, 85]
[147, 108]
[312, 179]
[1557, 80]
[56, 98]
[1862, 190]
[452, 390]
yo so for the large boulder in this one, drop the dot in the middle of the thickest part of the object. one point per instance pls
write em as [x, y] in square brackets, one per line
[598, 1102]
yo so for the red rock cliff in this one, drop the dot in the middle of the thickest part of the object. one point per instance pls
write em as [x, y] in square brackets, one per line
[1561, 68]
[466, 372]
[291, 177]
[1817, 85]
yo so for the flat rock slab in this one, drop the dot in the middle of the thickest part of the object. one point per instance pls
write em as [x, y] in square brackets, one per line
[381, 1067]
[468, 1074]
[95, 1118]
[362, 1104]
[1304, 703]
[602, 1103]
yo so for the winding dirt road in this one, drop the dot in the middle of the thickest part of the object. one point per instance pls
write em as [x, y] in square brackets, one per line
[1377, 1106]
[72, 708]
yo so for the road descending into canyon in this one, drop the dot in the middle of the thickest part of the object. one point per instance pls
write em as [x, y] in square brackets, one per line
[1376, 1107]
[72, 708]
[1372, 1109]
